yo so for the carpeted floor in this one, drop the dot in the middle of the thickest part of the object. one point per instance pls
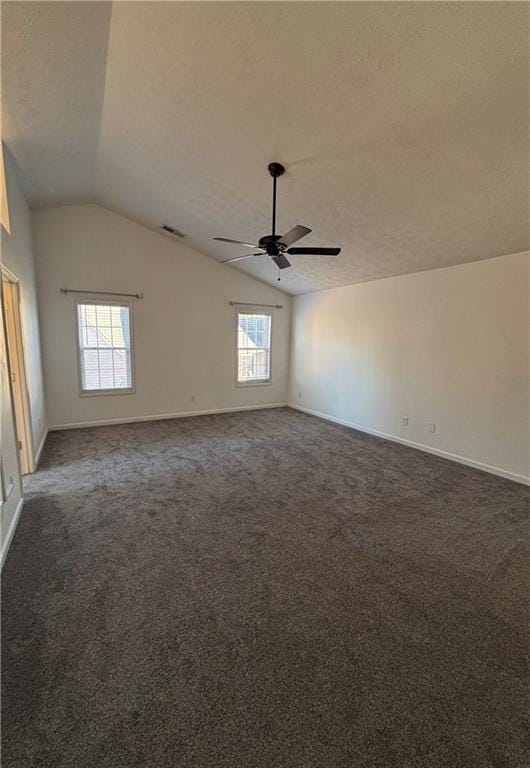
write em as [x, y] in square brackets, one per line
[262, 590]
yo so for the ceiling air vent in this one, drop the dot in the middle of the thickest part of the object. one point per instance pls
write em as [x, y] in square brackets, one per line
[172, 231]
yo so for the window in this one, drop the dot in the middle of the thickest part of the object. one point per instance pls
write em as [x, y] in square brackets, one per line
[104, 344]
[253, 347]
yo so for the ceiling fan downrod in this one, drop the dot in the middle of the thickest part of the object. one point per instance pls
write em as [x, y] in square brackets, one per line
[275, 170]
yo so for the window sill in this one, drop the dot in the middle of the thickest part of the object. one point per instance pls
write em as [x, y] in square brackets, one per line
[253, 383]
[104, 392]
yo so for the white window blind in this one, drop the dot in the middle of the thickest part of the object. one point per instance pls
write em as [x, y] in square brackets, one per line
[104, 338]
[253, 347]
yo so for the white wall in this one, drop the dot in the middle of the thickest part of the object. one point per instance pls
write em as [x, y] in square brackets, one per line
[449, 346]
[184, 328]
[17, 255]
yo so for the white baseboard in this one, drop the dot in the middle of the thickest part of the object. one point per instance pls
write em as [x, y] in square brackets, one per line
[39, 450]
[163, 416]
[420, 446]
[11, 532]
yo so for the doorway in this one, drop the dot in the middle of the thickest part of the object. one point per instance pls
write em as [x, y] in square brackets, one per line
[17, 369]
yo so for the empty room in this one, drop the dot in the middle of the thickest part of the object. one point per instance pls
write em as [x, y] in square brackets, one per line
[264, 357]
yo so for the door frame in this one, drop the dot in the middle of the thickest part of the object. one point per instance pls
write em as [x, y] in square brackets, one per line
[16, 360]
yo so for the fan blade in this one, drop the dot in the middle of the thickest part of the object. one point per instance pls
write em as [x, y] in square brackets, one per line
[236, 242]
[281, 261]
[294, 234]
[314, 251]
[238, 258]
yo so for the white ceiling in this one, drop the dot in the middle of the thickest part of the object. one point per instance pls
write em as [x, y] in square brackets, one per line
[403, 126]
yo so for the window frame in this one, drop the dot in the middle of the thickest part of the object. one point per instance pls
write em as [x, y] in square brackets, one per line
[253, 311]
[112, 303]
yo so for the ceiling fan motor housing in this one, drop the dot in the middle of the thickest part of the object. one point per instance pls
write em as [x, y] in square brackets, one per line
[270, 244]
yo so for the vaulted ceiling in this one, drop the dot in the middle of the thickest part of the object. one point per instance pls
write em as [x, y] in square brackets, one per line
[403, 126]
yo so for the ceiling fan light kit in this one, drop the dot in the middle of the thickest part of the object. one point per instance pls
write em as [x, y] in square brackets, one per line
[276, 246]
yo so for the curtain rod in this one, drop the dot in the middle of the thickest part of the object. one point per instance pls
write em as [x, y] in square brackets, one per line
[103, 293]
[254, 304]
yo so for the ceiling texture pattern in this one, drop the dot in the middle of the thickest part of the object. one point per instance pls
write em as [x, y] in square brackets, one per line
[403, 126]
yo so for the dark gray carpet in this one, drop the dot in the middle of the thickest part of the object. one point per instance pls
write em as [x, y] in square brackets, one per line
[262, 590]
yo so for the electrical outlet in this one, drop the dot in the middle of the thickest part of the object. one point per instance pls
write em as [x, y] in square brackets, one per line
[299, 395]
[192, 398]
[404, 421]
[431, 426]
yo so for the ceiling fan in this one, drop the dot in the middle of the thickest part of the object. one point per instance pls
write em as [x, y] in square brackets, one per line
[276, 246]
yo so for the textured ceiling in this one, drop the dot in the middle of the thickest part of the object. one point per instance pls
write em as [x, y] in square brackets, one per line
[402, 125]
